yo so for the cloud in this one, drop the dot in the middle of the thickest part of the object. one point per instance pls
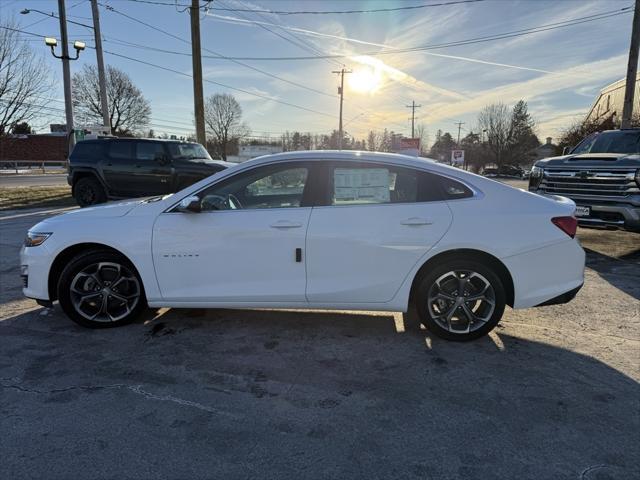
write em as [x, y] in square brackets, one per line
[602, 71]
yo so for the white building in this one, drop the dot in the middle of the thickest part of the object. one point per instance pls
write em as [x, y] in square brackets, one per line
[610, 101]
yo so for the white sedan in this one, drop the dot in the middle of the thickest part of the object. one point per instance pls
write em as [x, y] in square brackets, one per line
[316, 230]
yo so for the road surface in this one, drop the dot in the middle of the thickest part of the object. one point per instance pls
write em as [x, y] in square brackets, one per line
[29, 180]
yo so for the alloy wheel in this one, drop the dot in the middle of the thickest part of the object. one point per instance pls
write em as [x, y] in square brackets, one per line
[105, 292]
[461, 301]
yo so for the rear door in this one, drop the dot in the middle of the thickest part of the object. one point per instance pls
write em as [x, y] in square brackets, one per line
[117, 165]
[377, 221]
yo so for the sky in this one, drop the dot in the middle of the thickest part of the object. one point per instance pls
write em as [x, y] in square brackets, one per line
[558, 71]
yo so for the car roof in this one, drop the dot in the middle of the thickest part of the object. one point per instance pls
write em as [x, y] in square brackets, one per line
[134, 139]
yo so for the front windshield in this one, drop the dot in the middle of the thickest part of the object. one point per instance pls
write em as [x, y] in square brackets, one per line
[611, 142]
[190, 152]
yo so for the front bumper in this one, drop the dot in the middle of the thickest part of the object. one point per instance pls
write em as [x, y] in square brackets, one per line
[35, 264]
[611, 215]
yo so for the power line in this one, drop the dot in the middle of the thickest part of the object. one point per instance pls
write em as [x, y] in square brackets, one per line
[318, 12]
[218, 55]
[468, 41]
[143, 62]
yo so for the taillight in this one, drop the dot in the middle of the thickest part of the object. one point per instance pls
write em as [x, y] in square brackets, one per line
[568, 225]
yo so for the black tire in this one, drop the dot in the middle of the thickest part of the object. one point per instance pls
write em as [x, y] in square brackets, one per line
[88, 191]
[87, 280]
[433, 304]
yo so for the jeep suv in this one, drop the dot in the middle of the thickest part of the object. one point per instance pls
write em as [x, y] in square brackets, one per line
[601, 175]
[113, 168]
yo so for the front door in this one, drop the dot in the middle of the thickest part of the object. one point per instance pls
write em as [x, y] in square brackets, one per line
[378, 222]
[245, 246]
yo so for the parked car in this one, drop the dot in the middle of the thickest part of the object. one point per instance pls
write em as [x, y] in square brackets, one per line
[330, 230]
[601, 174]
[115, 168]
[505, 171]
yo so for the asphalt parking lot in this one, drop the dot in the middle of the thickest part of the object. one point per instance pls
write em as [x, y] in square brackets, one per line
[553, 393]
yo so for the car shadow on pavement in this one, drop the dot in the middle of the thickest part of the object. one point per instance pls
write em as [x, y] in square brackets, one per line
[622, 272]
[291, 394]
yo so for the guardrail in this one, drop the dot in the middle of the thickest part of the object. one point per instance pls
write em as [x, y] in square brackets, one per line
[28, 166]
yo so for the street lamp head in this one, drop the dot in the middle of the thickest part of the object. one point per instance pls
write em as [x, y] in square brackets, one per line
[50, 41]
[25, 11]
[79, 45]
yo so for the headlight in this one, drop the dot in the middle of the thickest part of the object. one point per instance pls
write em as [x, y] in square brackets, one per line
[34, 239]
[535, 178]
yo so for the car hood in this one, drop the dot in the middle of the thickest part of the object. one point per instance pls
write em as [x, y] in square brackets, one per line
[592, 160]
[105, 210]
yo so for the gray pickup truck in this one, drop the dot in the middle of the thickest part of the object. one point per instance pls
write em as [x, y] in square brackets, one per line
[601, 175]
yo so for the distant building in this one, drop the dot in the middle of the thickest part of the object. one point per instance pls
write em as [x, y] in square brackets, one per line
[545, 150]
[609, 102]
[247, 152]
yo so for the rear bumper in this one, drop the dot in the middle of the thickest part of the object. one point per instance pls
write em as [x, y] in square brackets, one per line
[544, 274]
[611, 215]
[562, 298]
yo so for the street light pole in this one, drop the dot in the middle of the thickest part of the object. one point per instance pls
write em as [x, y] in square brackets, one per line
[106, 120]
[66, 74]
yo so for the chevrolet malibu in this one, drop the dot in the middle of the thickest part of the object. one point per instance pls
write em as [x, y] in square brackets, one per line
[315, 230]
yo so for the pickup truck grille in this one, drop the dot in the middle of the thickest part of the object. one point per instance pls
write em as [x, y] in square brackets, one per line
[590, 183]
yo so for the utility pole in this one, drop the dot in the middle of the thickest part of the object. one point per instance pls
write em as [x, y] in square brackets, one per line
[66, 74]
[632, 69]
[198, 95]
[106, 120]
[341, 72]
[459, 127]
[413, 107]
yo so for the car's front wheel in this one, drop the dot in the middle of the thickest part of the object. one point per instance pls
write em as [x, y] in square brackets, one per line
[100, 289]
[460, 300]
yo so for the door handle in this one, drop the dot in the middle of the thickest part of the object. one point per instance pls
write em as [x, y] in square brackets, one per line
[285, 224]
[415, 221]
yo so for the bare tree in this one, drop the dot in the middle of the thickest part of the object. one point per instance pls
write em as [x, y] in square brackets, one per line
[223, 119]
[129, 111]
[423, 135]
[496, 120]
[25, 80]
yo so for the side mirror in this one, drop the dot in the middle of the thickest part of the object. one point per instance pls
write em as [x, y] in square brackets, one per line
[565, 151]
[190, 205]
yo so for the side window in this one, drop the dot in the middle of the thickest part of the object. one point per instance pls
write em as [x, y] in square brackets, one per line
[149, 151]
[454, 190]
[121, 150]
[87, 150]
[378, 184]
[263, 187]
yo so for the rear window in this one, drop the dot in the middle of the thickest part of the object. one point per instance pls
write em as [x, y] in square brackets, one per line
[87, 150]
[122, 150]
[454, 190]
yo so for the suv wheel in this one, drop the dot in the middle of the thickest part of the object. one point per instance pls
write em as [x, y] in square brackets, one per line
[100, 289]
[88, 191]
[460, 300]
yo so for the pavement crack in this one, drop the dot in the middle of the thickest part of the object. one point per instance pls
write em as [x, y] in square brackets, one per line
[137, 389]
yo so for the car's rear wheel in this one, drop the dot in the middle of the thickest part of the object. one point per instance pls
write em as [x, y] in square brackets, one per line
[101, 289]
[88, 191]
[460, 300]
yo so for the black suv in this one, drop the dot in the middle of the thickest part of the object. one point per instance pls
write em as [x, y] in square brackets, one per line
[112, 168]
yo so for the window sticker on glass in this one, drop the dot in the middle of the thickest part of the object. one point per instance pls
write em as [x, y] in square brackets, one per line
[360, 185]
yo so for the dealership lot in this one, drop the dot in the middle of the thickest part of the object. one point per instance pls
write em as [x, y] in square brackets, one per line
[553, 393]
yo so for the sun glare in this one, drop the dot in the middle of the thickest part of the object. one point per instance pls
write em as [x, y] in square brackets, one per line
[365, 80]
